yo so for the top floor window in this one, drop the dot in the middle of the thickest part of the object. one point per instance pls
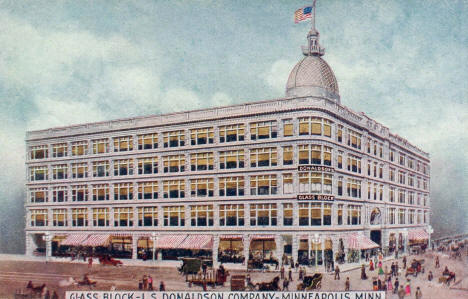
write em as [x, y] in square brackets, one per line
[59, 150]
[174, 138]
[314, 126]
[354, 139]
[263, 130]
[79, 148]
[402, 159]
[288, 128]
[339, 133]
[123, 144]
[231, 133]
[201, 136]
[148, 141]
[100, 146]
[39, 152]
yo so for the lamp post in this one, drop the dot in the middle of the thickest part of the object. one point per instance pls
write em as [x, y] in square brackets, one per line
[316, 240]
[47, 237]
[153, 238]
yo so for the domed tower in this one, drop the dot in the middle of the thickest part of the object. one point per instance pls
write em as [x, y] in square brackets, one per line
[312, 76]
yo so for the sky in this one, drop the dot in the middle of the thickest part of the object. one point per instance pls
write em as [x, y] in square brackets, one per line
[403, 63]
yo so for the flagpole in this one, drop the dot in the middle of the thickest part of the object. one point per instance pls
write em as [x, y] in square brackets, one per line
[313, 16]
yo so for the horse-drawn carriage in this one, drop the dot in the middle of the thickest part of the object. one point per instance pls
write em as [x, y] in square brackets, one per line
[108, 260]
[309, 283]
[273, 285]
[415, 268]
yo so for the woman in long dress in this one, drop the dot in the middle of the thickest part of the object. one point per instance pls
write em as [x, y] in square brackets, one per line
[408, 288]
[389, 284]
[381, 272]
[371, 265]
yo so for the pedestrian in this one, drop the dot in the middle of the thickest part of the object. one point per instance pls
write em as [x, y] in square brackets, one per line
[150, 283]
[379, 285]
[290, 274]
[392, 269]
[300, 273]
[401, 293]
[286, 285]
[55, 295]
[375, 286]
[337, 272]
[437, 263]
[204, 267]
[380, 268]
[404, 262]
[297, 266]
[408, 288]
[363, 272]
[418, 293]
[389, 284]
[347, 284]
[371, 265]
[367, 257]
[162, 287]
[90, 262]
[282, 272]
[430, 276]
[396, 284]
[145, 282]
[47, 295]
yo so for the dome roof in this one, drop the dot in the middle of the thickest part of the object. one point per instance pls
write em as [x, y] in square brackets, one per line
[312, 76]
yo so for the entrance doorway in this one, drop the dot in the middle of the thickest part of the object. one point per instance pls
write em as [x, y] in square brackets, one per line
[376, 236]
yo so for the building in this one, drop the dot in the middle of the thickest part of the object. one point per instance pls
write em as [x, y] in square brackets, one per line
[301, 176]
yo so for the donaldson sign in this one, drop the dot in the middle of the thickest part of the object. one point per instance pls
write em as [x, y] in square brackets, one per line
[315, 168]
[315, 197]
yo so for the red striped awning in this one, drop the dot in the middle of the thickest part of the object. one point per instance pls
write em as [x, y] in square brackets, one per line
[74, 239]
[170, 241]
[120, 235]
[97, 240]
[360, 242]
[230, 237]
[197, 242]
[418, 234]
[262, 237]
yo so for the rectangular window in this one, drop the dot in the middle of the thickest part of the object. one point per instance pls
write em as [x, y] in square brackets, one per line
[79, 148]
[231, 133]
[79, 193]
[123, 216]
[354, 215]
[288, 186]
[79, 170]
[59, 172]
[148, 165]
[287, 214]
[288, 128]
[392, 174]
[100, 169]
[339, 133]
[201, 136]
[175, 163]
[411, 217]
[39, 152]
[39, 217]
[59, 150]
[123, 167]
[123, 191]
[392, 156]
[100, 146]
[339, 214]
[231, 159]
[381, 171]
[402, 177]
[340, 186]
[354, 188]
[314, 126]
[38, 195]
[402, 159]
[354, 139]
[401, 216]
[262, 157]
[100, 192]
[79, 217]
[174, 138]
[288, 155]
[201, 161]
[411, 180]
[340, 160]
[315, 182]
[148, 216]
[401, 196]
[59, 194]
[380, 192]
[202, 187]
[411, 198]
[148, 141]
[327, 214]
[354, 164]
[231, 215]
[59, 217]
[100, 216]
[310, 214]
[263, 215]
[231, 186]
[147, 190]
[391, 215]
[263, 185]
[201, 215]
[391, 194]
[174, 189]
[123, 144]
[174, 216]
[263, 130]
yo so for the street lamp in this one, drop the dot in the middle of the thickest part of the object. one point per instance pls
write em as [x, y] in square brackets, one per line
[153, 238]
[47, 237]
[316, 240]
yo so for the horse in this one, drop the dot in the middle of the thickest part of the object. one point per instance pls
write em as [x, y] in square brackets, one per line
[36, 290]
[269, 286]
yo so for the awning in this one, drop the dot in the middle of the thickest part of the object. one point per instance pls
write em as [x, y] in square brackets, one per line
[121, 235]
[197, 242]
[170, 241]
[418, 234]
[230, 237]
[97, 240]
[262, 237]
[360, 242]
[74, 240]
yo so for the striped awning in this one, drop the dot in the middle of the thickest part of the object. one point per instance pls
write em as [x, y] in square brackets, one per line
[230, 237]
[418, 234]
[360, 242]
[74, 239]
[197, 242]
[97, 240]
[170, 241]
[262, 237]
[123, 234]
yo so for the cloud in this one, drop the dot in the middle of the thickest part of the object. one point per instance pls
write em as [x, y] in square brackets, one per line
[277, 75]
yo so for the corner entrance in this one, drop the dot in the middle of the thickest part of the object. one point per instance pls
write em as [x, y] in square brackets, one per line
[376, 236]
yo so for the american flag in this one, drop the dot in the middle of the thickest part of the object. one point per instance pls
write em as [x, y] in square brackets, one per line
[302, 14]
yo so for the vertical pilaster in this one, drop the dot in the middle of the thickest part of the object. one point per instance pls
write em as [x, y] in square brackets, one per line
[246, 244]
[295, 247]
[134, 246]
[215, 250]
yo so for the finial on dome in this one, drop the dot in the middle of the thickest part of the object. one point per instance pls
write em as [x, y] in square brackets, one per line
[313, 48]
